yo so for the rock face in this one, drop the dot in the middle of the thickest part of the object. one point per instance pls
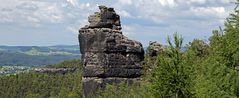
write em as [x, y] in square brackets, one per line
[108, 56]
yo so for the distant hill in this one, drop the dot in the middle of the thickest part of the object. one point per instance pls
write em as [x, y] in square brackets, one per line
[37, 55]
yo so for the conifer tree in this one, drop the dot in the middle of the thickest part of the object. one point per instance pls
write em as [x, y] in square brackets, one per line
[169, 78]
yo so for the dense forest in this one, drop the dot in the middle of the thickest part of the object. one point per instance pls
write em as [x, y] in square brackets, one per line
[41, 85]
[204, 70]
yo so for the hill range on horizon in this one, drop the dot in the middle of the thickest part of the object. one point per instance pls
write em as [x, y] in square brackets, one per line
[37, 55]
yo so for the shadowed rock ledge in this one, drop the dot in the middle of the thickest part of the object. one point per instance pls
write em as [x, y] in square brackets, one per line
[108, 56]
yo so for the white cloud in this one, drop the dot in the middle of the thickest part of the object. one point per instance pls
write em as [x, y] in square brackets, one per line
[226, 1]
[33, 11]
[9, 3]
[125, 2]
[87, 4]
[74, 28]
[73, 2]
[165, 11]
[145, 18]
[191, 18]
[196, 1]
[210, 11]
[170, 3]
[124, 13]
[128, 30]
[33, 19]
[25, 12]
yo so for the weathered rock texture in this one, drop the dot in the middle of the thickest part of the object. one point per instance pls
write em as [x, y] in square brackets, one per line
[108, 56]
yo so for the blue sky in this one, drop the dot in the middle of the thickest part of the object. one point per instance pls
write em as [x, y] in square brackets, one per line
[56, 22]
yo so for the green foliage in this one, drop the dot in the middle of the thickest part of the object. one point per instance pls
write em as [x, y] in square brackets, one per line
[37, 85]
[170, 78]
[125, 91]
[198, 48]
[148, 63]
[196, 53]
[67, 64]
[224, 43]
[224, 57]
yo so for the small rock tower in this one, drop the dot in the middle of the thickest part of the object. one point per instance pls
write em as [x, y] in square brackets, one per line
[108, 57]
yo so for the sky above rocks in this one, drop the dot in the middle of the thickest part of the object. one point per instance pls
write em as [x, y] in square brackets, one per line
[56, 22]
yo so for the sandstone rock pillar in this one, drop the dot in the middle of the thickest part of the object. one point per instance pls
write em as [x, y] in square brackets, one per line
[108, 56]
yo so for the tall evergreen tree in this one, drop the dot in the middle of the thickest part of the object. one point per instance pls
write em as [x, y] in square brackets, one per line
[169, 78]
[224, 57]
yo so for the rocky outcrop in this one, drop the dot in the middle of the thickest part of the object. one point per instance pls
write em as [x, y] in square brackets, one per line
[106, 18]
[155, 48]
[54, 70]
[108, 56]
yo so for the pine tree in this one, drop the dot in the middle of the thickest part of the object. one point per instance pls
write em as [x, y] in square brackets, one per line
[222, 65]
[170, 78]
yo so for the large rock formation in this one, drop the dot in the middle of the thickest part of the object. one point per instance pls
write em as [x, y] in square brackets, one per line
[108, 56]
